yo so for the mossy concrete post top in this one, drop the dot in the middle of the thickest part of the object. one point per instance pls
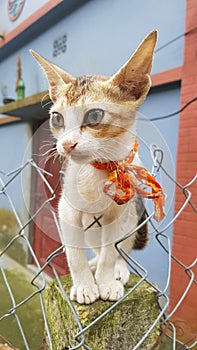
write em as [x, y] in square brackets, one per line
[121, 328]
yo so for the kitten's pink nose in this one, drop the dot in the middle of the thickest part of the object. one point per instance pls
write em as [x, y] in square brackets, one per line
[69, 146]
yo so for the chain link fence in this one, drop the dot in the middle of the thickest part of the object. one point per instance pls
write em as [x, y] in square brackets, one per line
[39, 281]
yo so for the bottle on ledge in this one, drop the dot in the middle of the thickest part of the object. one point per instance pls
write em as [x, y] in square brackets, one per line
[20, 85]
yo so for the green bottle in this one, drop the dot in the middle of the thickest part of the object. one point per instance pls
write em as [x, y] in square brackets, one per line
[20, 89]
[20, 85]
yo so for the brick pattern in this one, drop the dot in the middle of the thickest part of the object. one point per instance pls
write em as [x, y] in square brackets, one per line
[185, 227]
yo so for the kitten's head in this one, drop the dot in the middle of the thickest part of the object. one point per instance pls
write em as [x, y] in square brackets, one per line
[93, 117]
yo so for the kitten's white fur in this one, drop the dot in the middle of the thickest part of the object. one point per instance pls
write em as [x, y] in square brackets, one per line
[116, 221]
[82, 196]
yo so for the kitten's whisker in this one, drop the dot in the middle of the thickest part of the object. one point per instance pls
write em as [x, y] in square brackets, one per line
[47, 103]
[48, 152]
[106, 153]
[42, 104]
[55, 157]
[44, 160]
[48, 142]
[43, 154]
[47, 159]
[48, 145]
[100, 156]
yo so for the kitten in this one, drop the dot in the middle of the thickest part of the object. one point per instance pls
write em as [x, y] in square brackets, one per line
[93, 119]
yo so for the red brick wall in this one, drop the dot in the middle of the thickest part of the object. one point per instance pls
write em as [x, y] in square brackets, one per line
[185, 227]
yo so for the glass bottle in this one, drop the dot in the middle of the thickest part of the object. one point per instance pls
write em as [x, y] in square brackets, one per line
[20, 85]
[20, 90]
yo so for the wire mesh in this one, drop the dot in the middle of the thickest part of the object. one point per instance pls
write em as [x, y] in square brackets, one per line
[39, 280]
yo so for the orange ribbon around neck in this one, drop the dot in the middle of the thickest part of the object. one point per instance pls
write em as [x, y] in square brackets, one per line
[127, 177]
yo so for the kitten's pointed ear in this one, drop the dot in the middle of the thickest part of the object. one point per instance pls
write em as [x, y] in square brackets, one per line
[135, 74]
[57, 78]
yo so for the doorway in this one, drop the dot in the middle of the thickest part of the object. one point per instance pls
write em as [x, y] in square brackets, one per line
[46, 238]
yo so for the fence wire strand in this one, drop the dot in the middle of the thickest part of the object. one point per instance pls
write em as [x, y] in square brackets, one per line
[39, 280]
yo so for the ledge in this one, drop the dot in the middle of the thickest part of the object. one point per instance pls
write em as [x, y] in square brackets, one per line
[8, 120]
[29, 107]
[166, 77]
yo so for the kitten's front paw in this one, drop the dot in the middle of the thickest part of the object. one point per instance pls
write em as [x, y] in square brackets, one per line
[121, 272]
[112, 290]
[84, 294]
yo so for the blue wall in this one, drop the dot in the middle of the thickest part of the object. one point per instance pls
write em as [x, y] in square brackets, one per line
[14, 139]
[101, 35]
[164, 133]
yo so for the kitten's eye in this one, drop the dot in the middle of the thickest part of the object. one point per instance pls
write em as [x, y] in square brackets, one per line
[57, 120]
[93, 117]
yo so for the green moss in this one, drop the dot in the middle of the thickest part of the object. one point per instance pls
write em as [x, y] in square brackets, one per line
[122, 328]
[9, 228]
[30, 313]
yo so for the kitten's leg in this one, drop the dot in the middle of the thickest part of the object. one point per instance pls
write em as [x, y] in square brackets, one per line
[109, 287]
[93, 263]
[101, 241]
[93, 239]
[137, 240]
[84, 290]
[122, 272]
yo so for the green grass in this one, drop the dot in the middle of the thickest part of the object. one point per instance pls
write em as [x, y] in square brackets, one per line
[9, 228]
[30, 313]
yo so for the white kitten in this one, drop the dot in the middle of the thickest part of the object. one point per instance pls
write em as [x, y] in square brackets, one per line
[93, 120]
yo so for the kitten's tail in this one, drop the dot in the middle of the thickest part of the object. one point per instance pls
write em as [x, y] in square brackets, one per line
[141, 236]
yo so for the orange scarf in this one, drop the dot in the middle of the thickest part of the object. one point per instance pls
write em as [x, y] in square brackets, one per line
[126, 177]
